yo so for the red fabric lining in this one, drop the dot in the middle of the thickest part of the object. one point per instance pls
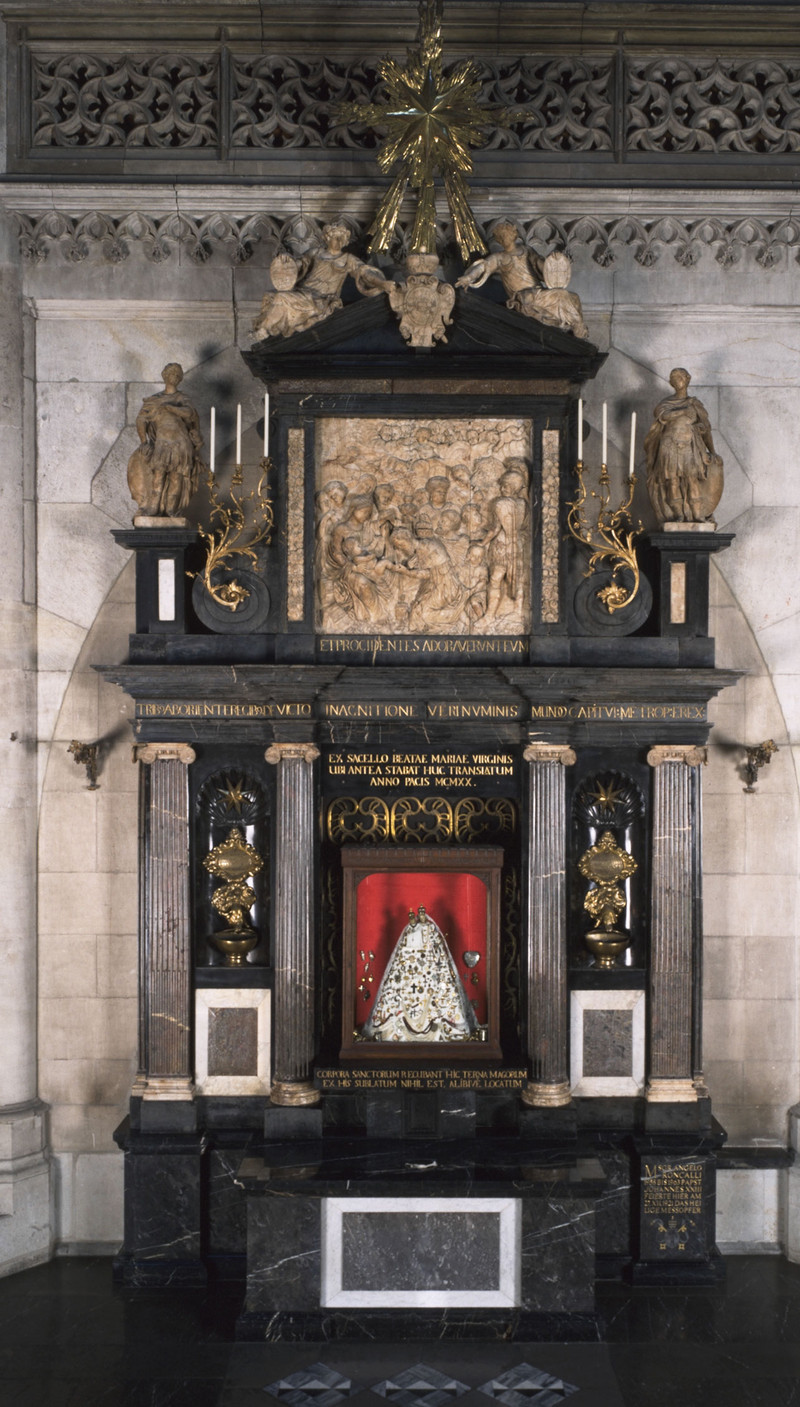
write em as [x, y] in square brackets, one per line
[456, 902]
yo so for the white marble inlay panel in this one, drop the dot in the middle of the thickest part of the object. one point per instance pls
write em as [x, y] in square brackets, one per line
[504, 1293]
[212, 998]
[600, 1086]
[166, 588]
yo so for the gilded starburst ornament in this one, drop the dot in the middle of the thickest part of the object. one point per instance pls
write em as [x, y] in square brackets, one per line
[606, 794]
[234, 795]
[432, 119]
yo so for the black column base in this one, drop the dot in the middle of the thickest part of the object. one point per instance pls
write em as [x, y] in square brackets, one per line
[163, 1209]
[679, 1273]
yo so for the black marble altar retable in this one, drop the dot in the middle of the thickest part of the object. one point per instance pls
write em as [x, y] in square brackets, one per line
[420, 962]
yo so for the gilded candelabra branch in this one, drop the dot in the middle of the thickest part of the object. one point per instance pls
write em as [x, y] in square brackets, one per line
[228, 536]
[611, 539]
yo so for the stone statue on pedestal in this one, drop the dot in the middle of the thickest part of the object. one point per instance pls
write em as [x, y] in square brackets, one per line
[684, 472]
[165, 470]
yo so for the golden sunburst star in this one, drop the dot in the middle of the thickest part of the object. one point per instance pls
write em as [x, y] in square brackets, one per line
[233, 795]
[606, 795]
[431, 120]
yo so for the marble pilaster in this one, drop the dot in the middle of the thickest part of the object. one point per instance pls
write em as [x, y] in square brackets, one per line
[166, 995]
[548, 1025]
[673, 921]
[293, 925]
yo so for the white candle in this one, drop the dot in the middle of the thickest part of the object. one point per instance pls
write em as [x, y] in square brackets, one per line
[212, 439]
[238, 434]
[604, 456]
[580, 428]
[633, 444]
[266, 424]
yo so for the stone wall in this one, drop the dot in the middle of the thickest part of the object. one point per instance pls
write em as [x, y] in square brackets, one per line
[103, 331]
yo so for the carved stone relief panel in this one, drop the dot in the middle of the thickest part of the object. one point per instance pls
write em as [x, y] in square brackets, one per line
[423, 527]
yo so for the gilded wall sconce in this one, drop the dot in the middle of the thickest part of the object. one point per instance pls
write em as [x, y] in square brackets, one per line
[757, 757]
[85, 754]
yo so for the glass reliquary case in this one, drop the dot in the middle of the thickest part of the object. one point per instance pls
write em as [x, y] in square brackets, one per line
[421, 929]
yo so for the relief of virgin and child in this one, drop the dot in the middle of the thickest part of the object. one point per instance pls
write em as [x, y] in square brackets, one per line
[433, 547]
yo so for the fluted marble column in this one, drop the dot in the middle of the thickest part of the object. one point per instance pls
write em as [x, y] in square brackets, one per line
[547, 926]
[166, 995]
[294, 996]
[673, 910]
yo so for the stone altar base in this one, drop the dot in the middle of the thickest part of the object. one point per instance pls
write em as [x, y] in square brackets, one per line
[477, 1239]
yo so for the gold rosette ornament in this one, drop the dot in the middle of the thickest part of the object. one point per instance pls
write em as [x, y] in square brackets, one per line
[607, 865]
[234, 862]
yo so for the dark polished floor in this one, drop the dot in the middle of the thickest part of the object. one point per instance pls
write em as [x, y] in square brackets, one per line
[68, 1338]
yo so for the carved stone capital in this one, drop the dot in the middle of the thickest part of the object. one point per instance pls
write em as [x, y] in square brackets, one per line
[550, 752]
[546, 1096]
[164, 752]
[287, 752]
[692, 755]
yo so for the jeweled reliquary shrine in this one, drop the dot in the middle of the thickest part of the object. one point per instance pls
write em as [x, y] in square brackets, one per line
[421, 716]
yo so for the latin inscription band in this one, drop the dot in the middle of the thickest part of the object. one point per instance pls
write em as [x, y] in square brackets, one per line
[405, 1078]
[433, 711]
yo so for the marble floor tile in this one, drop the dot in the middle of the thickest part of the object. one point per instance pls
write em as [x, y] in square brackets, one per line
[317, 1386]
[525, 1384]
[69, 1338]
[421, 1386]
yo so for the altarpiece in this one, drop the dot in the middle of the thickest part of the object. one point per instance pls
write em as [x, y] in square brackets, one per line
[420, 863]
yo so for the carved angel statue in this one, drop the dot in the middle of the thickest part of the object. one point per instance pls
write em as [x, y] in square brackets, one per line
[535, 287]
[165, 470]
[423, 303]
[421, 997]
[554, 305]
[287, 309]
[684, 472]
[321, 276]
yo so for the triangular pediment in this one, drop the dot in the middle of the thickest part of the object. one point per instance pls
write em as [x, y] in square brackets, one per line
[485, 338]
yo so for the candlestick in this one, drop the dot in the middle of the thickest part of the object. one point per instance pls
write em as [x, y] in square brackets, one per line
[580, 428]
[266, 424]
[238, 434]
[212, 440]
[633, 444]
[604, 456]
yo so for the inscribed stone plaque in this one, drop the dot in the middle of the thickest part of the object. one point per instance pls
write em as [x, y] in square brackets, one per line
[423, 527]
[233, 1040]
[677, 1208]
[607, 1042]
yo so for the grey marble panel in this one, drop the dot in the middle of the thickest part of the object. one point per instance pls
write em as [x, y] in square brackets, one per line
[558, 1244]
[420, 1251]
[283, 1253]
[401, 1252]
[607, 1042]
[233, 1040]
